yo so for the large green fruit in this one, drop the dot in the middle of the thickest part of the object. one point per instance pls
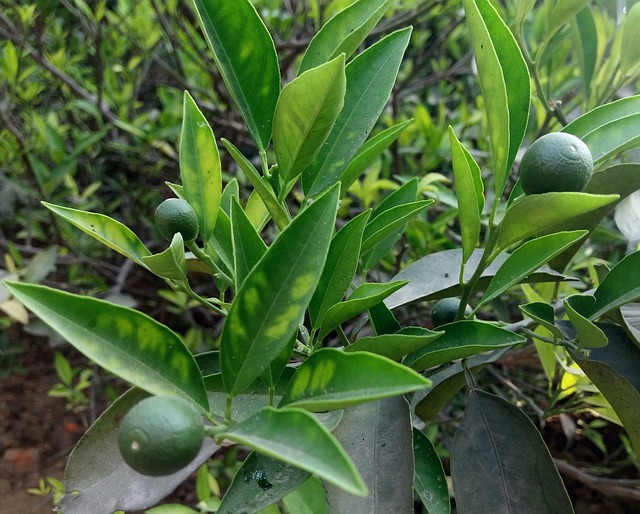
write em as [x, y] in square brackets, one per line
[176, 215]
[556, 162]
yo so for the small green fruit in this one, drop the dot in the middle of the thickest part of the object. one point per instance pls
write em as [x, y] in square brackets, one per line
[445, 310]
[176, 215]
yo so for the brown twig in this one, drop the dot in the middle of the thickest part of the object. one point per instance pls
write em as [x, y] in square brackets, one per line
[619, 488]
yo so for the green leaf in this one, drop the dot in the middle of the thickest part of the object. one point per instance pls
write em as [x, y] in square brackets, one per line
[430, 481]
[542, 313]
[269, 199]
[630, 49]
[621, 285]
[259, 482]
[343, 33]
[470, 194]
[268, 308]
[377, 436]
[370, 78]
[610, 128]
[230, 190]
[248, 65]
[257, 211]
[339, 269]
[296, 437]
[220, 245]
[248, 246]
[171, 263]
[527, 259]
[363, 297]
[563, 11]
[505, 84]
[462, 339]
[98, 480]
[306, 112]
[389, 221]
[518, 473]
[121, 340]
[382, 320]
[333, 379]
[200, 170]
[309, 498]
[108, 231]
[589, 335]
[587, 46]
[529, 215]
[395, 346]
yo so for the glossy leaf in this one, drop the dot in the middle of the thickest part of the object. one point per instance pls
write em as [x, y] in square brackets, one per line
[370, 78]
[430, 481]
[368, 153]
[248, 65]
[395, 346]
[470, 194]
[462, 339]
[108, 231]
[259, 482]
[364, 297]
[499, 441]
[295, 436]
[123, 341]
[339, 269]
[589, 335]
[305, 114]
[621, 285]
[248, 246]
[333, 379]
[98, 480]
[377, 436]
[171, 263]
[200, 170]
[531, 214]
[610, 128]
[505, 84]
[527, 259]
[542, 313]
[268, 308]
[343, 33]
[389, 221]
[267, 196]
[437, 276]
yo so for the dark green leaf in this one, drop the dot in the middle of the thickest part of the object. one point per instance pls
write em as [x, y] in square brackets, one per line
[125, 342]
[430, 482]
[333, 379]
[370, 78]
[517, 473]
[395, 346]
[620, 286]
[248, 65]
[462, 339]
[542, 313]
[589, 335]
[382, 320]
[248, 246]
[343, 33]
[296, 437]
[268, 308]
[377, 436]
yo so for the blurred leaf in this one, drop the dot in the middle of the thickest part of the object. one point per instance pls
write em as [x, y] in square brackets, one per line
[430, 481]
[562, 13]
[98, 480]
[343, 33]
[43, 263]
[395, 346]
[123, 341]
[587, 46]
[505, 84]
[271, 303]
[461, 339]
[309, 498]
[631, 318]
[377, 436]
[296, 437]
[333, 379]
[108, 231]
[518, 474]
[305, 114]
[370, 78]
[621, 285]
[630, 49]
[200, 170]
[248, 65]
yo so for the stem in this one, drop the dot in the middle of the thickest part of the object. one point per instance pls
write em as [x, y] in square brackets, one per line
[201, 300]
[227, 410]
[343, 337]
[202, 256]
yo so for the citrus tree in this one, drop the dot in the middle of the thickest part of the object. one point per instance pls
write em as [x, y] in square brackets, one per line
[333, 416]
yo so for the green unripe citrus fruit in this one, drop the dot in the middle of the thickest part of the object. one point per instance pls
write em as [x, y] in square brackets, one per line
[445, 310]
[160, 435]
[556, 162]
[176, 215]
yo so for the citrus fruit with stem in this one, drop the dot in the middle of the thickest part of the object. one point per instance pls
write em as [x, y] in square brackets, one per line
[160, 435]
[176, 215]
[445, 311]
[556, 162]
